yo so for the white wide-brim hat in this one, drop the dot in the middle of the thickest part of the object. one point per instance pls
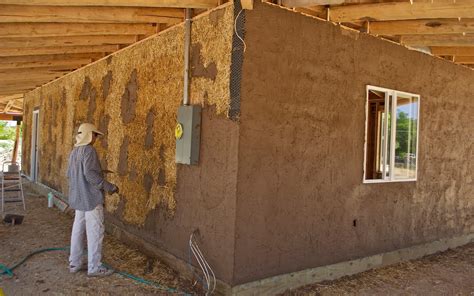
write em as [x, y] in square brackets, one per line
[84, 134]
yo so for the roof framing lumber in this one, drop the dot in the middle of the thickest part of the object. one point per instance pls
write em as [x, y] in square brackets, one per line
[403, 11]
[29, 71]
[438, 40]
[8, 52]
[134, 3]
[67, 41]
[464, 60]
[50, 57]
[54, 64]
[72, 29]
[78, 14]
[11, 97]
[307, 3]
[453, 51]
[9, 106]
[14, 91]
[317, 11]
[9, 90]
[431, 26]
[8, 116]
[9, 79]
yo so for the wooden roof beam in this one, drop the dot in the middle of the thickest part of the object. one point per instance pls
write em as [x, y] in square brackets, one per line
[50, 57]
[58, 64]
[464, 60]
[4, 99]
[403, 11]
[15, 90]
[452, 51]
[19, 79]
[308, 3]
[9, 106]
[430, 26]
[317, 11]
[72, 29]
[438, 40]
[9, 52]
[9, 116]
[79, 14]
[67, 41]
[127, 3]
[31, 71]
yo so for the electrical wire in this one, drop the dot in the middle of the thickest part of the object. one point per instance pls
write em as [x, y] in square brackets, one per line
[208, 273]
[235, 30]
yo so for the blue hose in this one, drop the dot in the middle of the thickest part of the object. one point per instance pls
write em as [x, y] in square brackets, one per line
[8, 271]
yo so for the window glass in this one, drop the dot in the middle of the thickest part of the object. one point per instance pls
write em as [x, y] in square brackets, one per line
[391, 135]
[406, 137]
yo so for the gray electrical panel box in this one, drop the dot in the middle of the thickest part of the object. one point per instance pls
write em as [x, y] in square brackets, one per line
[188, 134]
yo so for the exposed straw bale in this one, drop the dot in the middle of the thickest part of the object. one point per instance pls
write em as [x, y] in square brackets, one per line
[133, 97]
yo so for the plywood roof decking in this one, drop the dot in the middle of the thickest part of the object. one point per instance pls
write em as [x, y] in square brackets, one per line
[41, 40]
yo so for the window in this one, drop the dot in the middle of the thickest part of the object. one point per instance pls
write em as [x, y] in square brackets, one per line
[391, 143]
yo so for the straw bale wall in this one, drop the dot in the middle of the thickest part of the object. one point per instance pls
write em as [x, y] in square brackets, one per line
[133, 97]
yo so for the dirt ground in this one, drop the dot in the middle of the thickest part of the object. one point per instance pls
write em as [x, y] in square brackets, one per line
[448, 273]
[48, 274]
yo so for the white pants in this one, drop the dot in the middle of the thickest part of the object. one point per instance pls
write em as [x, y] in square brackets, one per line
[92, 224]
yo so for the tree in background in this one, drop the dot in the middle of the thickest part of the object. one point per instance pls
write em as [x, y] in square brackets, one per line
[406, 135]
[6, 132]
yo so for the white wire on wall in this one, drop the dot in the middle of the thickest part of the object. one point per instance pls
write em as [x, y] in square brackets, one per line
[209, 276]
[235, 29]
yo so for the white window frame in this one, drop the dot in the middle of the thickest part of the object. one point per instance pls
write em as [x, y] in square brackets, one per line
[394, 94]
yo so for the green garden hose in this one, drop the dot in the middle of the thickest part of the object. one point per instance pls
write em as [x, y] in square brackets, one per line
[8, 271]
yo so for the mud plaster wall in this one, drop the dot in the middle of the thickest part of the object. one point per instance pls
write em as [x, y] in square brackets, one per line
[302, 142]
[133, 97]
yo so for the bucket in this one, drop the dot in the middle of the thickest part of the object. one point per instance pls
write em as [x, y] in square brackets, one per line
[13, 168]
[50, 200]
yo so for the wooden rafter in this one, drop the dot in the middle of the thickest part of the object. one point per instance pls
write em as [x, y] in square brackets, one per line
[8, 52]
[431, 26]
[9, 106]
[58, 64]
[317, 11]
[438, 40]
[134, 3]
[32, 71]
[67, 41]
[68, 14]
[4, 99]
[72, 29]
[464, 60]
[48, 58]
[452, 51]
[308, 3]
[403, 11]
[15, 79]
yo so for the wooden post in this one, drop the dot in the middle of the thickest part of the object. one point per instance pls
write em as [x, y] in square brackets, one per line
[247, 4]
[15, 147]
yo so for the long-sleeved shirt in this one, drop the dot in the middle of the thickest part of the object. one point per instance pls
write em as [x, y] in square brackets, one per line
[86, 180]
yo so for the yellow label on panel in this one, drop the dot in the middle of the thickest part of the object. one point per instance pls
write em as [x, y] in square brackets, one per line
[178, 132]
[1, 292]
